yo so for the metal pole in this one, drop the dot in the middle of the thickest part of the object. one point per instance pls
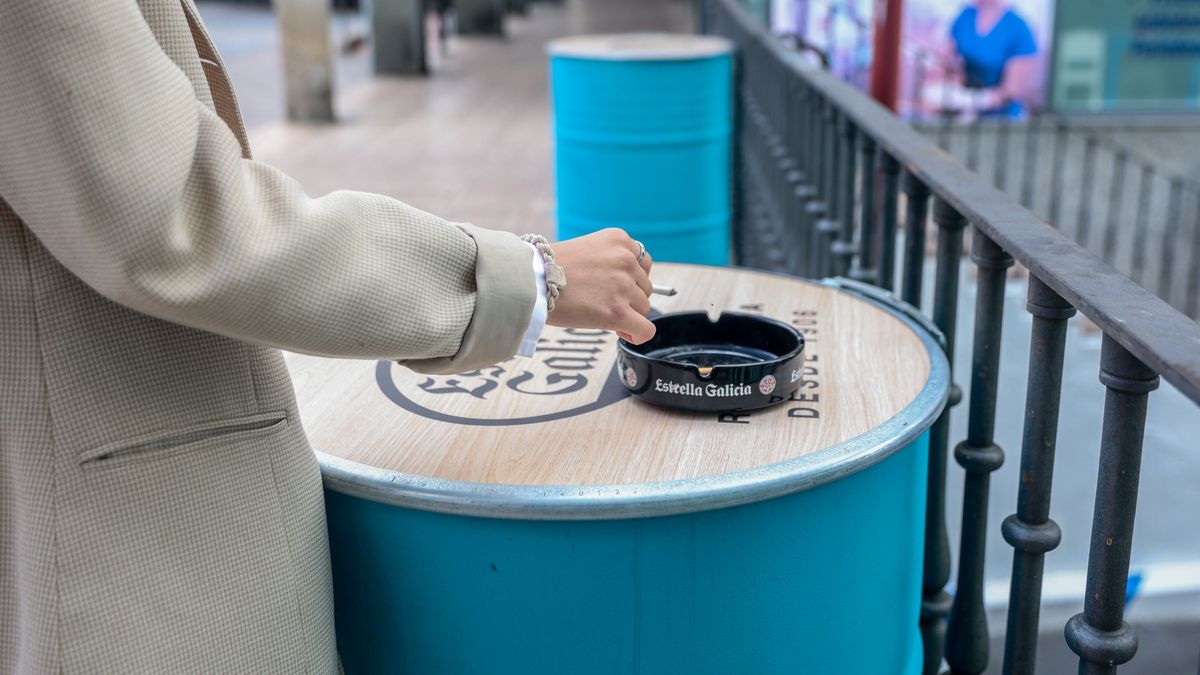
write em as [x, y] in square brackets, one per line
[1030, 531]
[1100, 635]
[967, 633]
[935, 601]
[885, 64]
[480, 17]
[398, 37]
[307, 59]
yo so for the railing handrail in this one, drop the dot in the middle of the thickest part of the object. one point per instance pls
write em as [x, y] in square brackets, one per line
[1160, 336]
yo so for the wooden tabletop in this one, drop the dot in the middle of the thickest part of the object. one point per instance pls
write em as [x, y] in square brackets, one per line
[562, 418]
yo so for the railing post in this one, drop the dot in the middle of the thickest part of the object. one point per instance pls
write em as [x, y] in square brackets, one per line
[1085, 191]
[1000, 172]
[805, 191]
[973, 141]
[843, 245]
[1033, 130]
[967, 633]
[912, 269]
[1166, 277]
[1192, 302]
[817, 206]
[1140, 234]
[737, 205]
[890, 169]
[1115, 197]
[866, 269]
[1030, 531]
[935, 601]
[1056, 175]
[1100, 635]
[827, 227]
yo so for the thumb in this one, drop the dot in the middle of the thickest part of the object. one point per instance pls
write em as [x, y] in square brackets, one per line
[635, 328]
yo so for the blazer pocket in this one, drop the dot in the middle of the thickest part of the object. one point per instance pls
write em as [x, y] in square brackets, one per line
[164, 444]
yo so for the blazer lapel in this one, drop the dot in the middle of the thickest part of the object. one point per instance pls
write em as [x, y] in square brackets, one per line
[224, 100]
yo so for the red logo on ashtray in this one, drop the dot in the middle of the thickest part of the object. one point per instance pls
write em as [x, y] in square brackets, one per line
[631, 378]
[767, 384]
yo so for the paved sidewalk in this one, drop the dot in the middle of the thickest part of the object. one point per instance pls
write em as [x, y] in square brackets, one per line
[471, 143]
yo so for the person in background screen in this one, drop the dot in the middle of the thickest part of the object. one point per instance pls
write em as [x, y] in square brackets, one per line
[997, 50]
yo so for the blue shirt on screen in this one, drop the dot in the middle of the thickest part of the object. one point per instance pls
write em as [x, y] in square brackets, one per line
[984, 56]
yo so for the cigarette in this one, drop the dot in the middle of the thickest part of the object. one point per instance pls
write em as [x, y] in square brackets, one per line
[664, 290]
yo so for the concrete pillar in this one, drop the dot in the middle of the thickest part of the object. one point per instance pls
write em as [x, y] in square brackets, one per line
[480, 17]
[307, 59]
[398, 37]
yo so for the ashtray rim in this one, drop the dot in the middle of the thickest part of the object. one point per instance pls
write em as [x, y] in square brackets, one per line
[632, 350]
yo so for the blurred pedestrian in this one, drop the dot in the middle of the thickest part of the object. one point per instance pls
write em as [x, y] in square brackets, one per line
[997, 50]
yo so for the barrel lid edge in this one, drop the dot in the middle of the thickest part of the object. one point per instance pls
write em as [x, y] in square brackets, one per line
[607, 502]
[592, 47]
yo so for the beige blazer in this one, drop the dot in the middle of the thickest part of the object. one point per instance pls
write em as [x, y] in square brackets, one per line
[160, 508]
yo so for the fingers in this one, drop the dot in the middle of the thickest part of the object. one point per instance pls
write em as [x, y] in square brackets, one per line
[643, 283]
[640, 303]
[636, 328]
[646, 262]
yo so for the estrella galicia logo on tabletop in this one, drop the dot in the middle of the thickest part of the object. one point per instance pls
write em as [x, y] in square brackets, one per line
[572, 372]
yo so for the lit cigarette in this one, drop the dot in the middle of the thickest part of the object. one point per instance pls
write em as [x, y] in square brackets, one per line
[664, 290]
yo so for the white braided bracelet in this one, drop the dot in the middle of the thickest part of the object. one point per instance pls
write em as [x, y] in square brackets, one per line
[556, 276]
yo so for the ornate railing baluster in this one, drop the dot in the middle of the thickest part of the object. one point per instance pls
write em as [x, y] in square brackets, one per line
[1192, 307]
[1140, 233]
[973, 141]
[890, 170]
[1030, 531]
[1100, 635]
[865, 269]
[935, 601]
[843, 245]
[967, 633]
[1060, 157]
[1000, 171]
[817, 206]
[1084, 217]
[1033, 131]
[827, 227]
[1166, 277]
[1115, 197]
[912, 271]
[804, 190]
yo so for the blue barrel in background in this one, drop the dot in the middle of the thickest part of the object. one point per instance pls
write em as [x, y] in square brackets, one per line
[642, 126]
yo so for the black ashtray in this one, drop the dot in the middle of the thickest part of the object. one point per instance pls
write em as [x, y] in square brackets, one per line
[738, 362]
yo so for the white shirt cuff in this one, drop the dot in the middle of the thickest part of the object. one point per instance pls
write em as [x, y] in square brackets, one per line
[537, 321]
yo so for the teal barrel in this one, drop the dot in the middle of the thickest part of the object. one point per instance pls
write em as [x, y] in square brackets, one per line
[533, 518]
[642, 128]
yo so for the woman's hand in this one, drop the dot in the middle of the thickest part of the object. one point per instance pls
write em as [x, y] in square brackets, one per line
[607, 287]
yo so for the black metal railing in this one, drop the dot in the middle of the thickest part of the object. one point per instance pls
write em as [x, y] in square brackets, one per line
[1123, 204]
[819, 170]
[1117, 200]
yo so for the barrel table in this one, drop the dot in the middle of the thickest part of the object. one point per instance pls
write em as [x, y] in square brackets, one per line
[642, 129]
[531, 518]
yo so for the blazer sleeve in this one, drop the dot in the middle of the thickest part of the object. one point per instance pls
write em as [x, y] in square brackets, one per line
[141, 191]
